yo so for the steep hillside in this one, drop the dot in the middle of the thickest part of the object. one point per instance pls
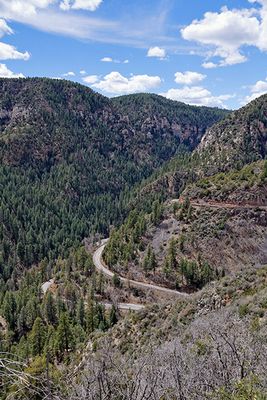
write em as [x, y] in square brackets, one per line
[73, 164]
[159, 116]
[66, 156]
[239, 139]
[46, 121]
[212, 345]
[217, 225]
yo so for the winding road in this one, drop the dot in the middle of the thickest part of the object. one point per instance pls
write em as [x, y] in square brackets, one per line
[101, 267]
[220, 205]
[125, 306]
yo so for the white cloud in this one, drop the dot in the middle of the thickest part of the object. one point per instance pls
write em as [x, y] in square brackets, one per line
[111, 60]
[209, 65]
[90, 79]
[117, 84]
[156, 52]
[196, 95]
[70, 73]
[24, 7]
[8, 52]
[188, 77]
[260, 86]
[83, 72]
[6, 73]
[106, 59]
[227, 31]
[4, 28]
[30, 7]
[46, 15]
[90, 5]
[256, 90]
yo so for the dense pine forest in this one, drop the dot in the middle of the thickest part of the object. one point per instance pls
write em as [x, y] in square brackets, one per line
[76, 167]
[69, 161]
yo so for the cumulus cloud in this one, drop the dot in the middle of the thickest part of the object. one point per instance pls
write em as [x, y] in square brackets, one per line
[30, 7]
[90, 79]
[117, 84]
[8, 52]
[107, 59]
[197, 95]
[70, 73]
[110, 60]
[24, 7]
[6, 73]
[256, 90]
[82, 72]
[188, 77]
[228, 31]
[209, 65]
[157, 52]
[90, 5]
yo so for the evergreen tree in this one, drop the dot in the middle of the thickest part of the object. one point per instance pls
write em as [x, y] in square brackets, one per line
[149, 263]
[80, 315]
[37, 336]
[64, 337]
[90, 316]
[157, 210]
[49, 309]
[113, 316]
[9, 309]
[171, 254]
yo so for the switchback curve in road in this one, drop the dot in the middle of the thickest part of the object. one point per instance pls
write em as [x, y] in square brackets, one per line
[100, 266]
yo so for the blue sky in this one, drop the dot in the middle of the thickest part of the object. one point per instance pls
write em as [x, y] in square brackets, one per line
[210, 52]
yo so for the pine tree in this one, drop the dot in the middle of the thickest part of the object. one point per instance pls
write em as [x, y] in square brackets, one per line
[172, 254]
[149, 262]
[80, 315]
[157, 211]
[9, 309]
[49, 309]
[37, 337]
[113, 316]
[100, 319]
[100, 283]
[90, 316]
[64, 337]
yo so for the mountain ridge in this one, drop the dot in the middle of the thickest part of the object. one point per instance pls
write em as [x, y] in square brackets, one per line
[239, 139]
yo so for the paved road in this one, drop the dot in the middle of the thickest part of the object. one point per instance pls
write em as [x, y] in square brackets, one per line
[125, 306]
[100, 266]
[97, 259]
[217, 204]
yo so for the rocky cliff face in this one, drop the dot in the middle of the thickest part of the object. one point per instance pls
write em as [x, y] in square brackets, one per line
[239, 139]
[45, 121]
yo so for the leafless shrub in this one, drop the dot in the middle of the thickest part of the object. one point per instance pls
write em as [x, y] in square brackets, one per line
[21, 384]
[216, 351]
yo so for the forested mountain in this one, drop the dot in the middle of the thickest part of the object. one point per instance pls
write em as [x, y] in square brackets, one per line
[66, 154]
[239, 139]
[44, 122]
[182, 215]
[157, 115]
[217, 225]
